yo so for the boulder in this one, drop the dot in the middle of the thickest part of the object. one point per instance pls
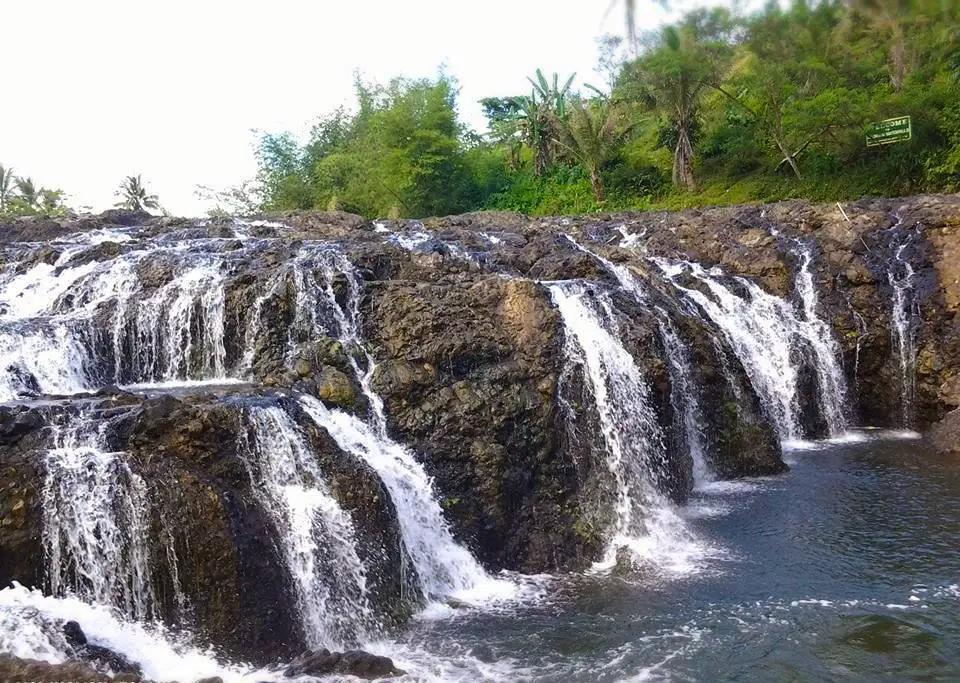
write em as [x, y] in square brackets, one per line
[944, 435]
[97, 655]
[17, 669]
[351, 663]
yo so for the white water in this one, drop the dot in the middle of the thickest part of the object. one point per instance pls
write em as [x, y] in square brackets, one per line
[684, 394]
[684, 391]
[902, 331]
[67, 329]
[644, 522]
[830, 377]
[177, 332]
[316, 535]
[769, 336]
[96, 523]
[444, 567]
[31, 627]
[626, 279]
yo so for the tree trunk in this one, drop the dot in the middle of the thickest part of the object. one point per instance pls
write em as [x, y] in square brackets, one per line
[596, 184]
[898, 57]
[541, 158]
[683, 160]
[789, 158]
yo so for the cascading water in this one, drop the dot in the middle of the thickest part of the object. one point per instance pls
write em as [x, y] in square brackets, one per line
[684, 391]
[904, 318]
[830, 377]
[644, 522]
[767, 334]
[176, 333]
[66, 329]
[316, 535]
[96, 516]
[684, 394]
[442, 565]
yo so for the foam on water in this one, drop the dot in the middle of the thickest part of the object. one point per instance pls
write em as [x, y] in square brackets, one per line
[31, 628]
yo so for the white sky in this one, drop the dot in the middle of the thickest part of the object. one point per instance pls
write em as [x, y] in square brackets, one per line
[95, 90]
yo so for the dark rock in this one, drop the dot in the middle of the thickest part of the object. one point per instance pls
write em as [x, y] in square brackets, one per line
[16, 669]
[97, 655]
[74, 634]
[352, 663]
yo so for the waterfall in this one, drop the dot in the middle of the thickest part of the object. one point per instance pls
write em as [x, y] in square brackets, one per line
[176, 333]
[622, 273]
[316, 535]
[67, 329]
[684, 394]
[443, 566]
[96, 522]
[767, 334]
[644, 522]
[903, 329]
[830, 376]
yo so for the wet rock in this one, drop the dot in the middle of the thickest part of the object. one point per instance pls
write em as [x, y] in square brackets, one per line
[17, 669]
[101, 657]
[352, 663]
[74, 634]
[334, 387]
[944, 435]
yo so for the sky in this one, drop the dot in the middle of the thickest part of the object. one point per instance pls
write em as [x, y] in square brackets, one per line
[96, 90]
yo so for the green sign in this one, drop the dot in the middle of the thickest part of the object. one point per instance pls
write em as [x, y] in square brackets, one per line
[891, 130]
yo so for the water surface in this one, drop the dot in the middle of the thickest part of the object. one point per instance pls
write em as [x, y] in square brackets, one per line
[845, 569]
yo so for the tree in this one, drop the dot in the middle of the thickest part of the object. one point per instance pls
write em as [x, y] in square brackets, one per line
[27, 192]
[672, 77]
[51, 202]
[244, 199]
[134, 195]
[889, 19]
[592, 133]
[503, 123]
[539, 117]
[6, 187]
[785, 81]
[403, 152]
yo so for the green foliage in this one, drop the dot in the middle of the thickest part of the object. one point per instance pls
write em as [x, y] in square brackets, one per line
[135, 196]
[714, 109]
[21, 196]
[402, 153]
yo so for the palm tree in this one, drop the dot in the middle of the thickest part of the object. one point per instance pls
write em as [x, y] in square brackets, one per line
[134, 195]
[673, 77]
[888, 18]
[539, 117]
[28, 191]
[630, 7]
[6, 186]
[592, 134]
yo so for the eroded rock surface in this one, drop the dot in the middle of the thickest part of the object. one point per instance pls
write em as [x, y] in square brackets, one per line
[450, 323]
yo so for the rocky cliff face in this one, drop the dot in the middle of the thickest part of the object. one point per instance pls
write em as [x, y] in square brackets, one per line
[451, 324]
